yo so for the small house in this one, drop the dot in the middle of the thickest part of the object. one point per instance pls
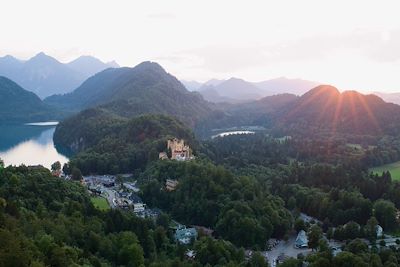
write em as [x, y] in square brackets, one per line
[171, 185]
[301, 240]
[185, 235]
[379, 231]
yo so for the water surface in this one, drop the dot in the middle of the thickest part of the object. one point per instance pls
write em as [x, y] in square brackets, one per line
[232, 133]
[29, 144]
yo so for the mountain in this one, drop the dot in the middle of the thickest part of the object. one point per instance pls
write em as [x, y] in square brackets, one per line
[191, 85]
[351, 112]
[284, 85]
[389, 97]
[9, 65]
[19, 105]
[235, 89]
[88, 65]
[265, 105]
[127, 92]
[210, 93]
[45, 76]
[214, 82]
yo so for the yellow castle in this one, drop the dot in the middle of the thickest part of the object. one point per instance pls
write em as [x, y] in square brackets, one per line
[179, 150]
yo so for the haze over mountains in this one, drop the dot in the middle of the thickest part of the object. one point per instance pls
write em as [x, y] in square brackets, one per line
[44, 75]
[148, 88]
[236, 90]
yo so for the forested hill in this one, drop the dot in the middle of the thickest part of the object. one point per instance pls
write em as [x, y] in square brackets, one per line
[112, 144]
[127, 92]
[19, 105]
[351, 112]
[321, 110]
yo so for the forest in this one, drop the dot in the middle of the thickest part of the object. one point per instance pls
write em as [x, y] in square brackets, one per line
[246, 188]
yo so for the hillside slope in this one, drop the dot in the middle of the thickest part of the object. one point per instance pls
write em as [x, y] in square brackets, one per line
[127, 92]
[110, 144]
[19, 105]
[325, 108]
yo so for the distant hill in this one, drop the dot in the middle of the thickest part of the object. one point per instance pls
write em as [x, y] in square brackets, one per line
[88, 65]
[191, 85]
[325, 108]
[322, 110]
[128, 92]
[19, 105]
[235, 89]
[285, 85]
[389, 97]
[210, 93]
[45, 76]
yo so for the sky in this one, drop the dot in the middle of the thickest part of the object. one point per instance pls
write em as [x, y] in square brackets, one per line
[350, 44]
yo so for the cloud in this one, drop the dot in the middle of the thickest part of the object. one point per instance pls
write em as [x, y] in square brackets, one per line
[382, 47]
[161, 16]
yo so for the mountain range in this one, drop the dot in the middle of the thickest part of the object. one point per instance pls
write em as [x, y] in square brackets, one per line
[322, 109]
[235, 90]
[148, 88]
[44, 75]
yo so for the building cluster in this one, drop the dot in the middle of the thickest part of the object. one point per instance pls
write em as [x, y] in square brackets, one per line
[185, 235]
[177, 150]
[122, 197]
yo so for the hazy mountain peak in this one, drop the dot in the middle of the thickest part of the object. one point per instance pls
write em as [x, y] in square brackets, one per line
[149, 64]
[9, 57]
[89, 65]
[45, 75]
[214, 82]
[324, 89]
[191, 85]
[42, 58]
[10, 61]
[113, 64]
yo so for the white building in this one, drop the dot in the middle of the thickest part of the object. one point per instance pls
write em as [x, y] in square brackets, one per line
[138, 207]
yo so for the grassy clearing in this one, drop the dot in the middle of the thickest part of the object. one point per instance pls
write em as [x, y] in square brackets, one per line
[393, 168]
[100, 203]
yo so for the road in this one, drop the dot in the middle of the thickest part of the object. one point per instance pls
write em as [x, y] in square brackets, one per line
[286, 248]
[110, 195]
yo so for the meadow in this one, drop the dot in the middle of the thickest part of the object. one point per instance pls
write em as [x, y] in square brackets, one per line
[100, 203]
[393, 168]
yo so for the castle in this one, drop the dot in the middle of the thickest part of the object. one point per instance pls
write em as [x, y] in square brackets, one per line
[179, 150]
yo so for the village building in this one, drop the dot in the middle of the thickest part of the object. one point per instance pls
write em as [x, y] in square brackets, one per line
[171, 185]
[185, 235]
[162, 155]
[301, 240]
[379, 231]
[190, 254]
[139, 207]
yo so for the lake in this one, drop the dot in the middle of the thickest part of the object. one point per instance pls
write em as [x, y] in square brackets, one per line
[232, 133]
[30, 144]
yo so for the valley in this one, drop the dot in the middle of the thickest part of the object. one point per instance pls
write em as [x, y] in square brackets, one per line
[250, 173]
